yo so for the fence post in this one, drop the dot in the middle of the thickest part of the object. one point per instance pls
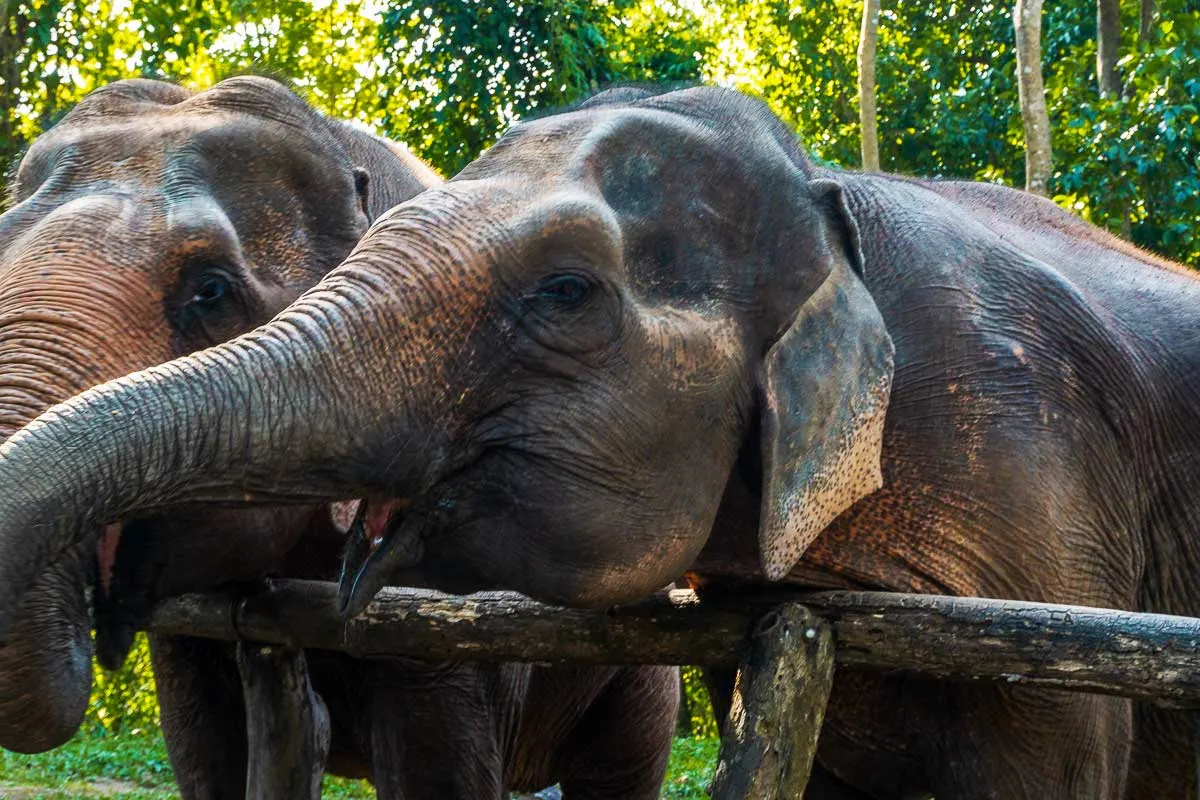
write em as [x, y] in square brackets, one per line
[287, 724]
[770, 738]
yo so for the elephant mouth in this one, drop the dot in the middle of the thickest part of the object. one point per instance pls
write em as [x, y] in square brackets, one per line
[386, 533]
[118, 610]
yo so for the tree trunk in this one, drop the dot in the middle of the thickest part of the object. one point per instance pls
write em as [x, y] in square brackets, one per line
[1146, 14]
[866, 85]
[1108, 45]
[1027, 19]
[683, 718]
[287, 725]
[10, 73]
[768, 744]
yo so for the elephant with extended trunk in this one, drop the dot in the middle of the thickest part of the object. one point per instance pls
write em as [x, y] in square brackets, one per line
[151, 223]
[649, 335]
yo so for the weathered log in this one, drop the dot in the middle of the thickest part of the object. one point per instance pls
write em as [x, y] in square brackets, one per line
[779, 704]
[287, 724]
[1152, 657]
[1146, 656]
[670, 628]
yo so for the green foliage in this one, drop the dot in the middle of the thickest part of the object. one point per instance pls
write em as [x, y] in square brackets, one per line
[800, 59]
[124, 701]
[1132, 164]
[136, 760]
[690, 771]
[697, 708]
[461, 71]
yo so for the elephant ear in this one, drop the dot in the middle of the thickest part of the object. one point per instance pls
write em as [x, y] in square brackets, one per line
[825, 387]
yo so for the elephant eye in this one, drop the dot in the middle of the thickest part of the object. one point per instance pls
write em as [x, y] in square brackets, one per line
[567, 290]
[211, 290]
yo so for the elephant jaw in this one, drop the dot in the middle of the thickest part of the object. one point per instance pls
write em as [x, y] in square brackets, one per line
[380, 530]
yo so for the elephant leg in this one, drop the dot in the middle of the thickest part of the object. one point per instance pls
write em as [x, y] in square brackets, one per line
[202, 714]
[1017, 743]
[620, 748]
[433, 732]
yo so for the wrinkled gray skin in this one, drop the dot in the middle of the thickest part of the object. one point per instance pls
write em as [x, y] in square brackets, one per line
[151, 223]
[650, 328]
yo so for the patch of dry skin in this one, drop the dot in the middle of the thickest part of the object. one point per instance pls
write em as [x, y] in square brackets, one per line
[707, 363]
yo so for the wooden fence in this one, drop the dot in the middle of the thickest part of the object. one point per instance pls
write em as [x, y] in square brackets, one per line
[777, 639]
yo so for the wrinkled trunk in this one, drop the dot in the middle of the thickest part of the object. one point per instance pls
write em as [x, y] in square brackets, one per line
[263, 418]
[176, 441]
[46, 666]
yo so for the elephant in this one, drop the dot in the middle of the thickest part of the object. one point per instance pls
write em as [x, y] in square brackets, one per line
[152, 222]
[648, 337]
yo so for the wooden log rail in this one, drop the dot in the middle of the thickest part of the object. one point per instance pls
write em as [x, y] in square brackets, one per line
[1145, 656]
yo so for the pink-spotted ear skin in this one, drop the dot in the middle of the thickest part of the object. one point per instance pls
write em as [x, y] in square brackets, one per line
[801, 513]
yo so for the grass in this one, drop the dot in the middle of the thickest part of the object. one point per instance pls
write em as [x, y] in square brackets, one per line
[102, 766]
[691, 768]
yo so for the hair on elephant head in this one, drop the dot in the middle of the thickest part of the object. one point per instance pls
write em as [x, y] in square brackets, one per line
[149, 223]
[540, 374]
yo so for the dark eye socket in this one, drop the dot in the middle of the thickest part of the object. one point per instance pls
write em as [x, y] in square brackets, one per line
[567, 290]
[211, 290]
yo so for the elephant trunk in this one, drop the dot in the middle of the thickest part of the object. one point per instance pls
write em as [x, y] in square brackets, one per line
[130, 444]
[46, 665]
[281, 414]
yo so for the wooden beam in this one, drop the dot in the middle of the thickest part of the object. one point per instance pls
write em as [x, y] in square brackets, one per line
[1145, 656]
[779, 700]
[287, 724]
[490, 626]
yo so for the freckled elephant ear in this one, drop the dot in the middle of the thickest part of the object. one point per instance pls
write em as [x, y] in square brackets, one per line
[825, 385]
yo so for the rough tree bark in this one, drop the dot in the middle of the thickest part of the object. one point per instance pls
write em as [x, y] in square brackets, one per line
[770, 738]
[1108, 45]
[866, 85]
[1146, 14]
[1027, 19]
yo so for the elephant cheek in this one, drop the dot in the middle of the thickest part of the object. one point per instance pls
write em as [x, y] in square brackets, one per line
[45, 664]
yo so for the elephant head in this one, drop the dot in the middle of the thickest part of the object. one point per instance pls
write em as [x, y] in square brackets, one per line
[539, 374]
[152, 222]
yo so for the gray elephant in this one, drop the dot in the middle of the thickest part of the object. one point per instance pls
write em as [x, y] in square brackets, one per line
[150, 223]
[649, 335]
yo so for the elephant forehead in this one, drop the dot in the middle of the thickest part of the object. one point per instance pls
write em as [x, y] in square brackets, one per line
[75, 231]
[169, 147]
[618, 139]
[133, 150]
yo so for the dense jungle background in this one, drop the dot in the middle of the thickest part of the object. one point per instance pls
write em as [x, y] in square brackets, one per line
[1121, 88]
